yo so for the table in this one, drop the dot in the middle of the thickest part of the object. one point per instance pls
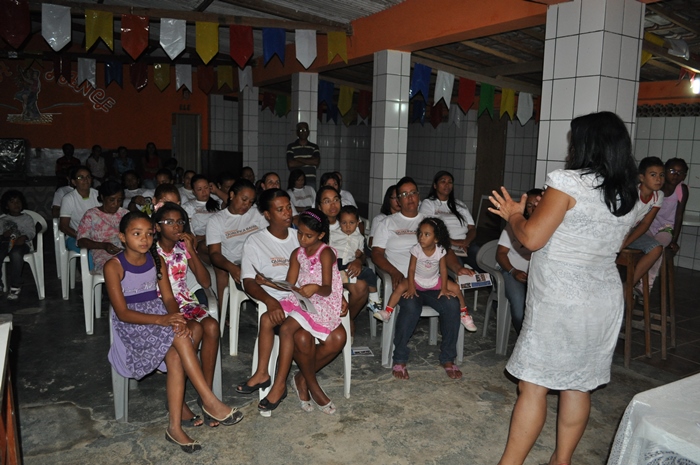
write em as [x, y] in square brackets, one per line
[661, 425]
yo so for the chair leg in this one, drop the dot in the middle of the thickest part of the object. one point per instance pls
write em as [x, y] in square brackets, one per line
[433, 333]
[372, 325]
[217, 381]
[120, 391]
[347, 358]
[87, 304]
[224, 309]
[647, 315]
[487, 314]
[98, 300]
[502, 327]
[460, 344]
[388, 338]
[670, 275]
[234, 321]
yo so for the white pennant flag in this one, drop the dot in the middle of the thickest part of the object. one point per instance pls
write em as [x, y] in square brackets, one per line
[55, 25]
[361, 120]
[183, 77]
[305, 42]
[525, 107]
[456, 116]
[245, 78]
[443, 87]
[86, 71]
[173, 36]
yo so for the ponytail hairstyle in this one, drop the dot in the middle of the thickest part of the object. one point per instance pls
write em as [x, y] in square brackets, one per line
[212, 205]
[317, 221]
[137, 215]
[451, 202]
[439, 229]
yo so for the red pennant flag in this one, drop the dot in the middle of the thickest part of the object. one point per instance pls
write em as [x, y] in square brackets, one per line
[61, 68]
[269, 100]
[465, 98]
[134, 34]
[364, 103]
[241, 44]
[205, 78]
[436, 114]
[138, 74]
[15, 24]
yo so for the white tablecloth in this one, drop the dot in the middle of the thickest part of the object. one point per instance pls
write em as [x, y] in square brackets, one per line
[661, 426]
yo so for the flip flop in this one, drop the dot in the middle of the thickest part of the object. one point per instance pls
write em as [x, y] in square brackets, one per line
[305, 404]
[400, 369]
[452, 369]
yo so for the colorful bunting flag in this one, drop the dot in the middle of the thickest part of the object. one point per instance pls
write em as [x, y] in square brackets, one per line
[337, 45]
[436, 114]
[486, 99]
[332, 114]
[364, 104]
[55, 25]
[205, 78]
[183, 77]
[443, 87]
[525, 107]
[161, 75]
[305, 45]
[207, 40]
[86, 71]
[325, 91]
[349, 117]
[134, 34]
[269, 100]
[173, 36]
[420, 81]
[138, 75]
[345, 99]
[241, 44]
[15, 24]
[465, 97]
[98, 24]
[281, 105]
[245, 78]
[507, 102]
[273, 43]
[456, 116]
[418, 111]
[654, 39]
[62, 68]
[224, 76]
[114, 73]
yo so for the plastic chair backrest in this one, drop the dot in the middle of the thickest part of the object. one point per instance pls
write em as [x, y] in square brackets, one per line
[486, 257]
[40, 235]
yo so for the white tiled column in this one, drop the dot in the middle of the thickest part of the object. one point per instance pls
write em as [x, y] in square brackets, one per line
[390, 86]
[248, 124]
[591, 63]
[305, 103]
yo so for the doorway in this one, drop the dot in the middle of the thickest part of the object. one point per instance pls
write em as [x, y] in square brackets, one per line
[490, 156]
[187, 141]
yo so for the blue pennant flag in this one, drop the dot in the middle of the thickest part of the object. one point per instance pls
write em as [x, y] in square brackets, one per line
[113, 72]
[325, 92]
[418, 111]
[332, 113]
[420, 81]
[273, 42]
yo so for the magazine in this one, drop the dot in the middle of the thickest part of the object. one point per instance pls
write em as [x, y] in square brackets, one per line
[459, 251]
[304, 302]
[474, 282]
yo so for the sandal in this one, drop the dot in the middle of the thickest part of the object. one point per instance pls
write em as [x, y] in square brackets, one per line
[207, 418]
[328, 409]
[190, 447]
[305, 404]
[244, 388]
[452, 371]
[267, 406]
[399, 369]
[233, 417]
[192, 422]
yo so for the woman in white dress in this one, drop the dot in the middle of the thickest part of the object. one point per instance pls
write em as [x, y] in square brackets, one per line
[574, 295]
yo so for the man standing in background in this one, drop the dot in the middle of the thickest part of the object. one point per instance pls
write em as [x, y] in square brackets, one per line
[304, 155]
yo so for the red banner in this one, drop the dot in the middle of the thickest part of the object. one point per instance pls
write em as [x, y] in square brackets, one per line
[15, 24]
[269, 100]
[436, 113]
[205, 78]
[134, 34]
[241, 44]
[138, 74]
[465, 98]
[364, 103]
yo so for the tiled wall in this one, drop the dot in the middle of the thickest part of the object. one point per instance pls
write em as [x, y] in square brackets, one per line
[223, 123]
[521, 156]
[275, 134]
[677, 137]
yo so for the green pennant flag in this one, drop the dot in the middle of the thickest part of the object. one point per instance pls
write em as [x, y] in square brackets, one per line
[486, 99]
[281, 105]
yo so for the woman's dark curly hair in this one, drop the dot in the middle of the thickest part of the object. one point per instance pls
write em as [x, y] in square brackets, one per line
[9, 195]
[439, 229]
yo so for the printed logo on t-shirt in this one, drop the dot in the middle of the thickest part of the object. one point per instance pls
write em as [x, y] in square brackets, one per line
[240, 232]
[405, 232]
[279, 261]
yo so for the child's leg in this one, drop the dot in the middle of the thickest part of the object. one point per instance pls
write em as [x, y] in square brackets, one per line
[312, 357]
[454, 288]
[175, 391]
[284, 362]
[209, 348]
[14, 271]
[646, 262]
[266, 339]
[396, 294]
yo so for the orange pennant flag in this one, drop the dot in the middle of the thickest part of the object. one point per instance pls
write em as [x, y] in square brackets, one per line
[337, 45]
[98, 24]
[207, 40]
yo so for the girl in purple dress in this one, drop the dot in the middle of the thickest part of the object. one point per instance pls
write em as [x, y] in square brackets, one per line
[148, 330]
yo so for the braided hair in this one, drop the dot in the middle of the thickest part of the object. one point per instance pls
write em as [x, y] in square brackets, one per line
[439, 230]
[137, 215]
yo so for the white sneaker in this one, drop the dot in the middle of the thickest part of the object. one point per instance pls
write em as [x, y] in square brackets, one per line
[467, 322]
[382, 315]
[14, 293]
[374, 307]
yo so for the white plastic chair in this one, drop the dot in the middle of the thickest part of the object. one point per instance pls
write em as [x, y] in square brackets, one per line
[272, 364]
[486, 258]
[56, 249]
[34, 259]
[426, 312]
[69, 259]
[121, 385]
[232, 299]
[92, 291]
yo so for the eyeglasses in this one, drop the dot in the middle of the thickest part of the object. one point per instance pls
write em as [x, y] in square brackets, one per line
[672, 171]
[171, 222]
[302, 130]
[403, 195]
[330, 201]
[81, 177]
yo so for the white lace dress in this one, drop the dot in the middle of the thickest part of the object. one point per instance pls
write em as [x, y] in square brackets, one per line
[574, 295]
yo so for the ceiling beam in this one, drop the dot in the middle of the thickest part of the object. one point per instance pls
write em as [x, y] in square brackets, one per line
[342, 82]
[78, 9]
[447, 49]
[661, 52]
[288, 13]
[661, 65]
[444, 61]
[480, 78]
[534, 33]
[518, 46]
[203, 5]
[515, 68]
[491, 51]
[675, 19]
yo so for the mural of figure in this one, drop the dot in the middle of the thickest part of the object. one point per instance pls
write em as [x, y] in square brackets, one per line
[30, 86]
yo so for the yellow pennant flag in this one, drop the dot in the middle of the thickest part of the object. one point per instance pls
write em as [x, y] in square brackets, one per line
[508, 102]
[161, 75]
[98, 24]
[345, 99]
[224, 75]
[349, 117]
[337, 45]
[654, 39]
[207, 40]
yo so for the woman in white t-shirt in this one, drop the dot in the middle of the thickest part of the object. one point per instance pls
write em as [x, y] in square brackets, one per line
[228, 229]
[268, 252]
[75, 203]
[302, 196]
[514, 260]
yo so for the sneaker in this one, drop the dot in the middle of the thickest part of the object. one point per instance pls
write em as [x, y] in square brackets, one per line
[382, 315]
[374, 307]
[467, 322]
[14, 293]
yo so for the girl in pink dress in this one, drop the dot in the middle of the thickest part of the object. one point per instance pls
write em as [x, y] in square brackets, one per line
[314, 270]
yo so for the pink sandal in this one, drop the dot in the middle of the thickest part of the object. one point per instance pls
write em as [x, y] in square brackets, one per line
[400, 369]
[452, 371]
